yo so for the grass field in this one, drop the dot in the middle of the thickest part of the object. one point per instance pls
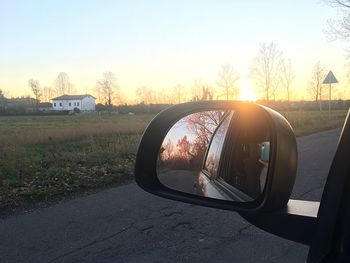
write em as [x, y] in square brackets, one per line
[307, 122]
[44, 156]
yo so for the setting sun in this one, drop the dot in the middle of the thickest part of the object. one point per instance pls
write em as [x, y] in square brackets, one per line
[247, 95]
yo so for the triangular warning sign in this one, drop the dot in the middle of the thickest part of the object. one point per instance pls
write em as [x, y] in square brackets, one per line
[330, 78]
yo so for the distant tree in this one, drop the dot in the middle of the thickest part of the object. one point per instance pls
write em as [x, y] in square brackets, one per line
[179, 93]
[35, 87]
[227, 81]
[287, 76]
[159, 97]
[48, 93]
[266, 68]
[202, 91]
[145, 95]
[207, 92]
[163, 96]
[63, 84]
[108, 88]
[2, 100]
[315, 83]
[196, 90]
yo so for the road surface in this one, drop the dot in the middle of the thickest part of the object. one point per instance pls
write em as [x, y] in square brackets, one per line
[126, 224]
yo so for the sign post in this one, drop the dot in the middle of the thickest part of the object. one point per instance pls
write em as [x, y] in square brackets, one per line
[330, 79]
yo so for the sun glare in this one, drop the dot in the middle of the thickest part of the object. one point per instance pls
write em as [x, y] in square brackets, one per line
[247, 95]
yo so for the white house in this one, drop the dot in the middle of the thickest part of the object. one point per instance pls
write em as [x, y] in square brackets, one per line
[69, 102]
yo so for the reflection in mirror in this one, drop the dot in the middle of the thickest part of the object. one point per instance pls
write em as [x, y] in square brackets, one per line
[216, 154]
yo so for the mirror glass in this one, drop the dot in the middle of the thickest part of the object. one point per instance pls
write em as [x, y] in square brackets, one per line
[216, 154]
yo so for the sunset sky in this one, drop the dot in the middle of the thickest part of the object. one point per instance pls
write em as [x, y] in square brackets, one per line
[160, 44]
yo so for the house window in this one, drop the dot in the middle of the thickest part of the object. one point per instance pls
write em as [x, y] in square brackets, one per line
[54, 104]
[77, 103]
[70, 104]
[60, 104]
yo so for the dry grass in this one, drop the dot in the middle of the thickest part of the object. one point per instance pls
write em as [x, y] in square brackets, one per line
[44, 156]
[39, 129]
[307, 122]
[62, 134]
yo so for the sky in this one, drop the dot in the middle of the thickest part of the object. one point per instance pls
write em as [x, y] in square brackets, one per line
[160, 44]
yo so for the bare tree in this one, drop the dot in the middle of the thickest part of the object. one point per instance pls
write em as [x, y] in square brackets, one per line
[2, 100]
[108, 88]
[63, 84]
[315, 84]
[202, 91]
[98, 93]
[168, 149]
[275, 86]
[227, 81]
[339, 28]
[287, 76]
[339, 3]
[145, 95]
[203, 124]
[162, 96]
[48, 93]
[266, 68]
[196, 90]
[179, 93]
[35, 87]
[207, 92]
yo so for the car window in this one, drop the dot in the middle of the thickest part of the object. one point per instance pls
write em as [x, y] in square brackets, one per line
[213, 156]
[246, 162]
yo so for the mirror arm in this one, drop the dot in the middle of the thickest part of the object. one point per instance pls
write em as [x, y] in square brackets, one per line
[296, 222]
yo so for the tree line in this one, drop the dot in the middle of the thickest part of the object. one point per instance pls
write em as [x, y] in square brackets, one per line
[272, 73]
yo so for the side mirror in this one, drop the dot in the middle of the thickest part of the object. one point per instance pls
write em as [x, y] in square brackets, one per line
[229, 155]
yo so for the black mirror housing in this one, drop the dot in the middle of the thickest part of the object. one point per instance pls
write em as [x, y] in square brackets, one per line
[282, 166]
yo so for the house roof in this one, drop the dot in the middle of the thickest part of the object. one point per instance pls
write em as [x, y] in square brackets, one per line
[72, 97]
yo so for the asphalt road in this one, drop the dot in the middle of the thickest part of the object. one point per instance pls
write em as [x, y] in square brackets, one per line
[125, 224]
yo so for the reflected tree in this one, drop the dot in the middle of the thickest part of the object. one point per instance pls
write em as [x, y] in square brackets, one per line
[184, 148]
[167, 150]
[189, 150]
[203, 124]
